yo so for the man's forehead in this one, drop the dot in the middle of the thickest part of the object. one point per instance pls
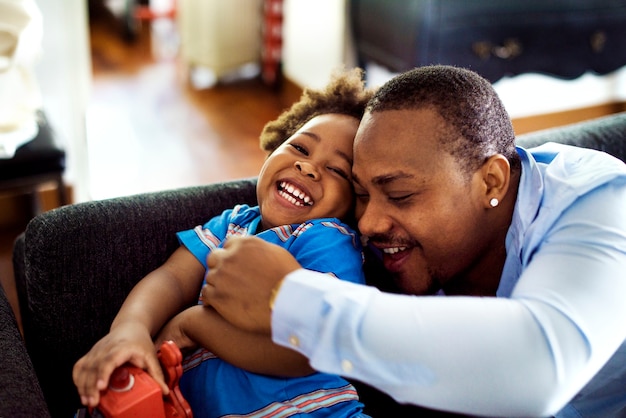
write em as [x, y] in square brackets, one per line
[385, 178]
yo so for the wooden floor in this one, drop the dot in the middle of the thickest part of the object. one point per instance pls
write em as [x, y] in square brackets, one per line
[148, 129]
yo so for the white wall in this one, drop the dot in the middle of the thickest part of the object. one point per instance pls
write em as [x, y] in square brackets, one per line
[64, 75]
[315, 40]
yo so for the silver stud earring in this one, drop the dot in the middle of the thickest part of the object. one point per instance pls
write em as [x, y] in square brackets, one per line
[494, 202]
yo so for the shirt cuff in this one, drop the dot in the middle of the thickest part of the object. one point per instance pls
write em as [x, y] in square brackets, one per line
[299, 308]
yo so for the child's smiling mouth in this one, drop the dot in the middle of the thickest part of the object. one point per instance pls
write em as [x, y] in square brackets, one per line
[293, 194]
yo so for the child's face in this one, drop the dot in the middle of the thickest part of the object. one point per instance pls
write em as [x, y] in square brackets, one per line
[309, 175]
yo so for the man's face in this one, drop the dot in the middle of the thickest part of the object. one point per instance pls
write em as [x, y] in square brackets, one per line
[413, 201]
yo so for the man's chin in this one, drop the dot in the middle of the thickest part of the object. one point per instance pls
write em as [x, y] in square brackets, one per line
[411, 285]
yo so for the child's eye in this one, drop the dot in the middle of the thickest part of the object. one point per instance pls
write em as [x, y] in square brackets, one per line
[300, 149]
[341, 172]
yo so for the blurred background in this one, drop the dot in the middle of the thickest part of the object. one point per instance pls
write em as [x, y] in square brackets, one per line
[156, 94]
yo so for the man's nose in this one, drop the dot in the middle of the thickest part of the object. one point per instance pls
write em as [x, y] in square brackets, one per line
[307, 169]
[372, 219]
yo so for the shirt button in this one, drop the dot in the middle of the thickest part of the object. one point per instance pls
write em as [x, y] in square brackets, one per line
[294, 341]
[347, 366]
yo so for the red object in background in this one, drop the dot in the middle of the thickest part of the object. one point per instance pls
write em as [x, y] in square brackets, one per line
[144, 12]
[132, 393]
[271, 53]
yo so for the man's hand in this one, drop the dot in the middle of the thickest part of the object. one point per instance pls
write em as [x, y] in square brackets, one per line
[241, 279]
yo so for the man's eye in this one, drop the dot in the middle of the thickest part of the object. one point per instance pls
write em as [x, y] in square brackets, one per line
[300, 149]
[361, 195]
[401, 198]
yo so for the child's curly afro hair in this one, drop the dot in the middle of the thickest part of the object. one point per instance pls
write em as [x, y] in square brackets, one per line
[345, 94]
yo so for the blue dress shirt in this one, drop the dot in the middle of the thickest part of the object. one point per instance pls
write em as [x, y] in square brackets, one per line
[558, 321]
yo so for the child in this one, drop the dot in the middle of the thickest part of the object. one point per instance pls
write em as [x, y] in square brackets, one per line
[304, 189]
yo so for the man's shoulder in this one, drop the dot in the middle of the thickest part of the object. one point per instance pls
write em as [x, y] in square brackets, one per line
[575, 167]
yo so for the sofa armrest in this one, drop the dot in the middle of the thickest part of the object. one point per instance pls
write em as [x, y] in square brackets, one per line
[20, 393]
[78, 263]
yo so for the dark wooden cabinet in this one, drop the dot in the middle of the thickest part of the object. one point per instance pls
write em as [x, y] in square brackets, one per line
[563, 38]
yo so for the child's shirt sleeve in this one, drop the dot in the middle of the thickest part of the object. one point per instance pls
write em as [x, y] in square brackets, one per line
[324, 245]
[203, 239]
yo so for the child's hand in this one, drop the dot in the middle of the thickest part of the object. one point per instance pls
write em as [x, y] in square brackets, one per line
[174, 330]
[125, 343]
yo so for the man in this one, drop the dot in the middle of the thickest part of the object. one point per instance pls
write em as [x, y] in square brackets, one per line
[519, 258]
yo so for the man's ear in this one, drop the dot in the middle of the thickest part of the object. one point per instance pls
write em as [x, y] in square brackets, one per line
[496, 176]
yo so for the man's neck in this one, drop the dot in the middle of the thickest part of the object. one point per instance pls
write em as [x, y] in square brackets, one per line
[483, 277]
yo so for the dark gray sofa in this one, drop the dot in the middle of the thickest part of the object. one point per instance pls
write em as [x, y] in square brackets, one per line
[75, 265]
[20, 393]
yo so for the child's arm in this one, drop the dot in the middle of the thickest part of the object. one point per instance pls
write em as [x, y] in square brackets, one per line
[253, 352]
[155, 299]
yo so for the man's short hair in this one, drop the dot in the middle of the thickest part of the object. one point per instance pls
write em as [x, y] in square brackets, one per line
[479, 124]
